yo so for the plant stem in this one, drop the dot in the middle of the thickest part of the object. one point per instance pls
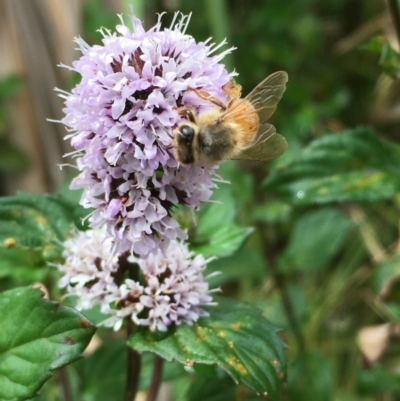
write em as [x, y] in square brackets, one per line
[395, 13]
[133, 367]
[279, 279]
[156, 379]
[369, 236]
[65, 384]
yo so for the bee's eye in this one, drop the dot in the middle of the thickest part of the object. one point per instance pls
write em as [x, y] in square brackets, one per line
[187, 131]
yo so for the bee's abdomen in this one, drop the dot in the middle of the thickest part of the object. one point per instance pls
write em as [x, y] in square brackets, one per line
[247, 122]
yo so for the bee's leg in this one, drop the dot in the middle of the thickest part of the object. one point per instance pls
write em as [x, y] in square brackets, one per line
[206, 96]
[230, 103]
[187, 113]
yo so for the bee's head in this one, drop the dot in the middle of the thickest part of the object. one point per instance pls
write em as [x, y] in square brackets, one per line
[186, 134]
[184, 142]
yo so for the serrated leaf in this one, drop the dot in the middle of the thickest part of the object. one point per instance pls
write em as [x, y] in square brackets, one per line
[352, 166]
[49, 212]
[37, 336]
[36, 221]
[347, 187]
[235, 337]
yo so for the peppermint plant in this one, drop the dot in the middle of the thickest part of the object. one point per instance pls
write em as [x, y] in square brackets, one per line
[133, 255]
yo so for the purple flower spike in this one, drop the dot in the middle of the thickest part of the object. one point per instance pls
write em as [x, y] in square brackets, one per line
[121, 117]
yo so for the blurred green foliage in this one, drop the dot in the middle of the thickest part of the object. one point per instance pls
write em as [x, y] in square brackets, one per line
[322, 261]
[389, 58]
[12, 159]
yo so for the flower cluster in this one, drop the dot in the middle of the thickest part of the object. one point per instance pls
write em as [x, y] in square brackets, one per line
[121, 117]
[170, 288]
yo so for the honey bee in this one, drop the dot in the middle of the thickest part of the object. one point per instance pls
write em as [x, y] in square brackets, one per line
[233, 130]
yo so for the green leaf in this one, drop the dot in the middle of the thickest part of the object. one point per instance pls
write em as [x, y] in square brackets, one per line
[215, 215]
[24, 265]
[272, 211]
[241, 182]
[316, 238]
[37, 221]
[216, 233]
[37, 336]
[235, 337]
[224, 241]
[370, 186]
[352, 166]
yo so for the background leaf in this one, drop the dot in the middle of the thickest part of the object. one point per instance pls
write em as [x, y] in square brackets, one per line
[37, 336]
[352, 166]
[22, 265]
[223, 241]
[316, 237]
[32, 227]
[216, 233]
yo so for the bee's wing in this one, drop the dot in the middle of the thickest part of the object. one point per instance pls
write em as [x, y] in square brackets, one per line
[268, 145]
[267, 94]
